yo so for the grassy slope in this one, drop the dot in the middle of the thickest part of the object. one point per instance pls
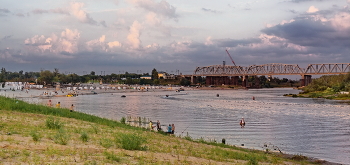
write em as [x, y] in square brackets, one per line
[85, 139]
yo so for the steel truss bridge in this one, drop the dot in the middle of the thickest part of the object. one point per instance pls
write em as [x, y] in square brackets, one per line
[273, 69]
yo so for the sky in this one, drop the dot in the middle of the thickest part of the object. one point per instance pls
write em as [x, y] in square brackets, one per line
[175, 36]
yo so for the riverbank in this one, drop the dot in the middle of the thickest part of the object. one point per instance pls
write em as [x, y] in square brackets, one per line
[39, 134]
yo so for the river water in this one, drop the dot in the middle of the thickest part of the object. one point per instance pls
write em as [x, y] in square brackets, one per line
[316, 128]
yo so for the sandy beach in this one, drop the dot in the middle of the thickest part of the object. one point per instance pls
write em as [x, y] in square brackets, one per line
[12, 92]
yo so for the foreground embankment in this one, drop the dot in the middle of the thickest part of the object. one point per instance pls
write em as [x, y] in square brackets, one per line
[36, 134]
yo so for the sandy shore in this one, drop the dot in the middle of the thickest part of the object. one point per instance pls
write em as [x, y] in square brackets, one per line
[51, 92]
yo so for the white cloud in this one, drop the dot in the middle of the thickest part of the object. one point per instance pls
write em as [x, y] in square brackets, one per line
[80, 14]
[152, 19]
[162, 8]
[114, 44]
[312, 9]
[134, 35]
[341, 21]
[67, 42]
[208, 41]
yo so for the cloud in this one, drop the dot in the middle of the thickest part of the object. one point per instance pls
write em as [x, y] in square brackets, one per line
[103, 23]
[60, 11]
[134, 35]
[39, 11]
[67, 42]
[20, 15]
[11, 56]
[97, 45]
[152, 19]
[312, 9]
[114, 44]
[298, 1]
[234, 43]
[6, 37]
[81, 15]
[162, 7]
[209, 10]
[3, 12]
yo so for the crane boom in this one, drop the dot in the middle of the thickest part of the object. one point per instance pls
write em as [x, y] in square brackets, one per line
[230, 57]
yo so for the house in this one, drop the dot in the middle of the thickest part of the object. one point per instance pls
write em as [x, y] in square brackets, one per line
[165, 75]
[146, 77]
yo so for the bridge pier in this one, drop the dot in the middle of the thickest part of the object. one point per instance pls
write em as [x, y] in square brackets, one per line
[193, 79]
[244, 81]
[305, 80]
[234, 80]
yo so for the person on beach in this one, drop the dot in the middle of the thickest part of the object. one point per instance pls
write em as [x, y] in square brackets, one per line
[158, 126]
[151, 125]
[49, 103]
[242, 122]
[58, 105]
[71, 108]
[172, 128]
[169, 129]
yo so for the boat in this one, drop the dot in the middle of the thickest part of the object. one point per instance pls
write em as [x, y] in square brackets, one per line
[72, 95]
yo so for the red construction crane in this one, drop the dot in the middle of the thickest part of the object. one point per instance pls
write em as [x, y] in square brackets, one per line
[230, 57]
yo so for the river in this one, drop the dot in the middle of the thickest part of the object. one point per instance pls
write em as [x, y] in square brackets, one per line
[316, 128]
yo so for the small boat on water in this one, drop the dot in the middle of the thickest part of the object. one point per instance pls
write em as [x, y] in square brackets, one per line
[72, 95]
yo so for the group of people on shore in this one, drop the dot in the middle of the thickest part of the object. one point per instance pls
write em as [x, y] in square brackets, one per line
[58, 105]
[170, 130]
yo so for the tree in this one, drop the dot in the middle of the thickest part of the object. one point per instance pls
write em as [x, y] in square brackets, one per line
[185, 82]
[46, 77]
[154, 74]
[56, 72]
[92, 73]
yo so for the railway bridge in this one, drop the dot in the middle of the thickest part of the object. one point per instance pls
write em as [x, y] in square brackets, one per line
[229, 75]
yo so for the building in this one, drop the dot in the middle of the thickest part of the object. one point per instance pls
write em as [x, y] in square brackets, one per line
[146, 77]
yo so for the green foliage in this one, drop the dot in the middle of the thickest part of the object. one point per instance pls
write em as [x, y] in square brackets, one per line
[21, 106]
[123, 120]
[131, 141]
[185, 82]
[35, 135]
[154, 74]
[299, 157]
[112, 156]
[106, 143]
[335, 82]
[84, 137]
[252, 161]
[53, 123]
[61, 137]
[188, 137]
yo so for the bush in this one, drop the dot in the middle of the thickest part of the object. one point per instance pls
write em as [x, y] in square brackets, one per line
[61, 137]
[84, 137]
[106, 143]
[131, 141]
[53, 123]
[112, 156]
[123, 120]
[35, 135]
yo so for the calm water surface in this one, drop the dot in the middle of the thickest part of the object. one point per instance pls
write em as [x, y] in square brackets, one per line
[312, 127]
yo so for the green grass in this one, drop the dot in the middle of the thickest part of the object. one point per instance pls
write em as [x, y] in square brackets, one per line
[131, 141]
[21, 106]
[61, 137]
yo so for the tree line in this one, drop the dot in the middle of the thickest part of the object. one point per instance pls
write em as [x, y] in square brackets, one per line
[47, 77]
[336, 83]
